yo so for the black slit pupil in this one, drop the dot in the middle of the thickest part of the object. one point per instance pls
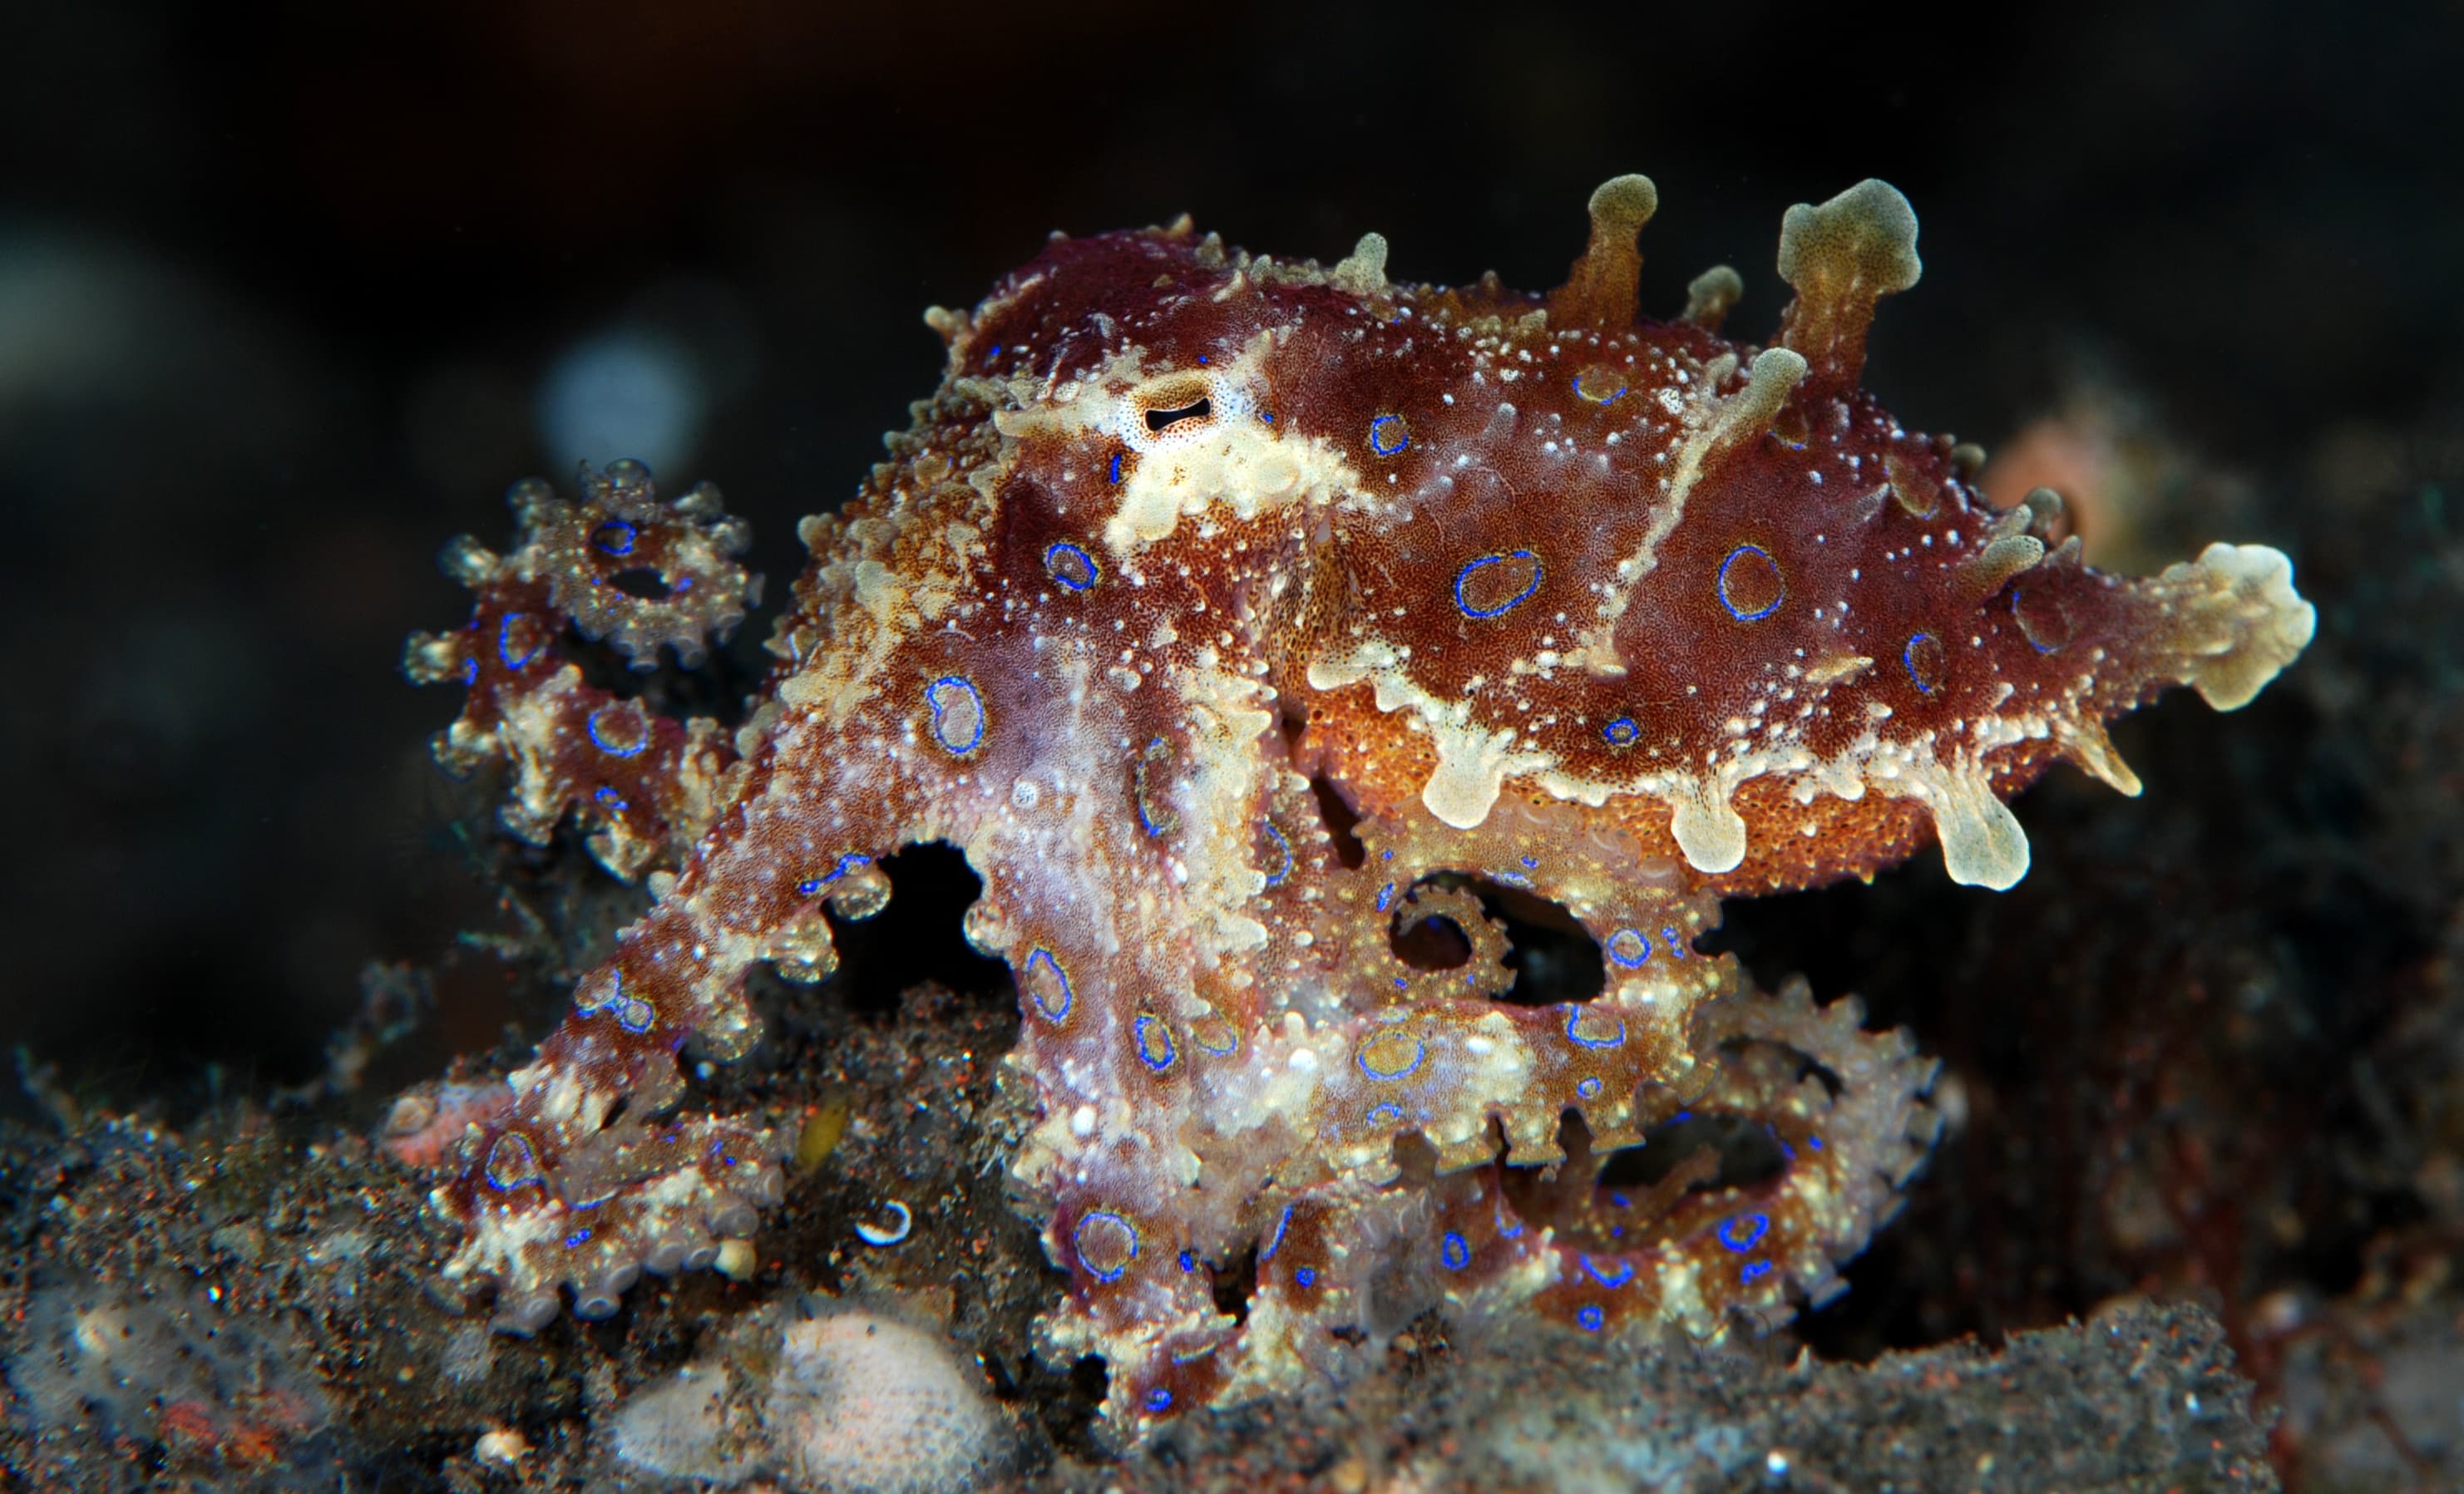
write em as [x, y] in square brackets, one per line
[1158, 419]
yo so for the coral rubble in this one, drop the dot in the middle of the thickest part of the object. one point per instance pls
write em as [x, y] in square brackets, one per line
[1279, 643]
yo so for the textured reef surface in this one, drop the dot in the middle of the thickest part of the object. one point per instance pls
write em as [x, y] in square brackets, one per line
[1355, 698]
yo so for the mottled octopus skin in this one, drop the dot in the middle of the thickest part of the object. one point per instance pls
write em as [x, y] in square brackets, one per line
[1567, 607]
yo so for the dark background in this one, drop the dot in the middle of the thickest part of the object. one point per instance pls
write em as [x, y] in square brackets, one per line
[281, 286]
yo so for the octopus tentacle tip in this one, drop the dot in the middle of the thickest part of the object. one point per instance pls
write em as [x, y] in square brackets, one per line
[1260, 631]
[1600, 289]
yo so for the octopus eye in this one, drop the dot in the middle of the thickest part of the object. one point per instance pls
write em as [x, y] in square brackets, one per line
[1163, 420]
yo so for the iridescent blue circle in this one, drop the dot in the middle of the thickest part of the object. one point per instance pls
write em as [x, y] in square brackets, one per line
[943, 696]
[1149, 1033]
[1574, 1014]
[505, 642]
[1060, 975]
[1623, 1274]
[1282, 844]
[1387, 435]
[599, 733]
[1071, 566]
[1510, 603]
[1630, 947]
[1078, 1239]
[1767, 608]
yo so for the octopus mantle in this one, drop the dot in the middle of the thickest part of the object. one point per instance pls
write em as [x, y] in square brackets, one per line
[1277, 641]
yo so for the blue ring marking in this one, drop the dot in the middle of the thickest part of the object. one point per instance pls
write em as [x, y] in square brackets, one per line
[1285, 844]
[1629, 948]
[635, 1015]
[934, 698]
[1401, 984]
[1453, 1253]
[1385, 1115]
[511, 1162]
[1755, 1271]
[1620, 1200]
[1305, 1276]
[1267, 415]
[1385, 896]
[1529, 863]
[1067, 996]
[2015, 593]
[624, 536]
[505, 642]
[1591, 1318]
[1149, 1032]
[1815, 1142]
[1623, 732]
[1078, 1243]
[1589, 1089]
[1624, 1272]
[1744, 1231]
[1768, 607]
[577, 1239]
[1276, 1243]
[1510, 603]
[995, 353]
[610, 798]
[599, 734]
[470, 671]
[1114, 476]
[1188, 1261]
[1908, 661]
[1676, 945]
[1231, 1044]
[1419, 1052]
[1575, 1014]
[847, 863]
[1388, 436]
[1158, 1399]
[1071, 566]
[1578, 382]
[582, 1003]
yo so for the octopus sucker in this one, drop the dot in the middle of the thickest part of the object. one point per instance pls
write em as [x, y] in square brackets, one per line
[1355, 697]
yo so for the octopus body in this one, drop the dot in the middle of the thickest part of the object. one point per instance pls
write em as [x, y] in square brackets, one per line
[1278, 641]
